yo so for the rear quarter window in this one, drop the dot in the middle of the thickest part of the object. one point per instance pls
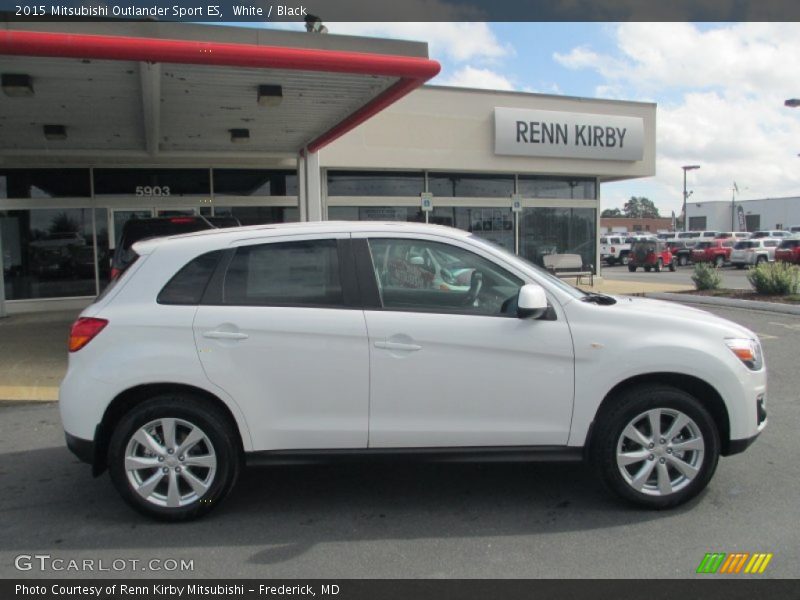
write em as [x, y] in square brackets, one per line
[189, 284]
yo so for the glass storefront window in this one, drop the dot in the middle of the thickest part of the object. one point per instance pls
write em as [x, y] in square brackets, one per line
[470, 185]
[375, 183]
[253, 182]
[259, 215]
[152, 183]
[47, 253]
[557, 187]
[558, 231]
[44, 183]
[376, 213]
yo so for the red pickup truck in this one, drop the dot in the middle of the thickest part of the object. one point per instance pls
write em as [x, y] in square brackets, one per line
[714, 251]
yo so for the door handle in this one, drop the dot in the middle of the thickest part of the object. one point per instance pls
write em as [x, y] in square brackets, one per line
[398, 346]
[225, 335]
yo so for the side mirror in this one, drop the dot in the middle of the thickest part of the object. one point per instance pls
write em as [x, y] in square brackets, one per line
[531, 302]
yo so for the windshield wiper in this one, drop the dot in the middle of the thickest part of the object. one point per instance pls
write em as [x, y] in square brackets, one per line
[598, 298]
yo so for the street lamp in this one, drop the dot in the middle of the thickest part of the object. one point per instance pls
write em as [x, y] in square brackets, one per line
[686, 194]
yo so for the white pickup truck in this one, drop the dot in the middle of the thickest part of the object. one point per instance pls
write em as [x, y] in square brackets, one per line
[614, 249]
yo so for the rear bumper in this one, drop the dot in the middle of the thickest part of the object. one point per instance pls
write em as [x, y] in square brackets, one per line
[83, 449]
[89, 451]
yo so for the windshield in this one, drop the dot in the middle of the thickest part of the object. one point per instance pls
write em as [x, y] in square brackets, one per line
[552, 279]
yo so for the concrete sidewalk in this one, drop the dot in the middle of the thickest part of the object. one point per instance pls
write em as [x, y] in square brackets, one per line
[33, 354]
[33, 347]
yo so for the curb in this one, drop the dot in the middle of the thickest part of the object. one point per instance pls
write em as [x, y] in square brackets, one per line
[775, 307]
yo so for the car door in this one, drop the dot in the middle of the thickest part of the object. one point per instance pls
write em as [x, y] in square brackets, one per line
[281, 333]
[451, 365]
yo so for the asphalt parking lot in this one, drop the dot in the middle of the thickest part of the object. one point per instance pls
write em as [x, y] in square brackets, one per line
[472, 521]
[732, 278]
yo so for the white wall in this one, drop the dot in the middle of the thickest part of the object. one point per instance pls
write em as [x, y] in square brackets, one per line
[773, 212]
[448, 128]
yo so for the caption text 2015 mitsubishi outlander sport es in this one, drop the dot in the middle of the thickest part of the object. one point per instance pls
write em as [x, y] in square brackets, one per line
[317, 341]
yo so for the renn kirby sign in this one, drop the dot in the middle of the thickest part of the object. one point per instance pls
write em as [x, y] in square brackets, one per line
[550, 133]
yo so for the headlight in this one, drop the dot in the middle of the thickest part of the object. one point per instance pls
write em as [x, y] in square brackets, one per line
[746, 350]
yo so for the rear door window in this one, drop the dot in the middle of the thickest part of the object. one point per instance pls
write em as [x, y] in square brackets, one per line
[302, 274]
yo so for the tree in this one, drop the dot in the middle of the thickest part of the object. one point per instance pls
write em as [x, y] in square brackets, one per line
[640, 207]
[611, 212]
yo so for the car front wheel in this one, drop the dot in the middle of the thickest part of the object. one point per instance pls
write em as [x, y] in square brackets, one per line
[174, 457]
[657, 447]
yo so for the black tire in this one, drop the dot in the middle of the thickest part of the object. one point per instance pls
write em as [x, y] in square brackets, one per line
[647, 269]
[632, 268]
[761, 260]
[672, 266]
[719, 261]
[659, 265]
[624, 259]
[200, 413]
[740, 267]
[627, 407]
[683, 260]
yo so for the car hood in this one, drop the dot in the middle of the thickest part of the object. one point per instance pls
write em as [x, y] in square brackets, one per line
[678, 314]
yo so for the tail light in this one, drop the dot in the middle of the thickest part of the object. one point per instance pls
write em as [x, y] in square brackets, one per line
[115, 272]
[84, 330]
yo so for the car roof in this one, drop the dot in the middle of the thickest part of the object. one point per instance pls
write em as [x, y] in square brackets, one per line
[231, 234]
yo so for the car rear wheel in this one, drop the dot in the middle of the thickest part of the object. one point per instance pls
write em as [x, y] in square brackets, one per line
[632, 268]
[719, 262]
[761, 260]
[624, 259]
[659, 265]
[647, 269]
[174, 457]
[683, 260]
[657, 447]
[672, 265]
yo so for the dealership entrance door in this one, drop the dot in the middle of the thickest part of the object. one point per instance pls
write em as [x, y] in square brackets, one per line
[119, 216]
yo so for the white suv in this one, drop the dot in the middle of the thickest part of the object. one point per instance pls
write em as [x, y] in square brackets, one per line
[754, 252]
[321, 341]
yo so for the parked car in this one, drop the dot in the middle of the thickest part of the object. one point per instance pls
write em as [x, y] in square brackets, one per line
[738, 235]
[651, 255]
[136, 230]
[614, 249]
[294, 343]
[789, 251]
[717, 251]
[772, 233]
[795, 229]
[753, 252]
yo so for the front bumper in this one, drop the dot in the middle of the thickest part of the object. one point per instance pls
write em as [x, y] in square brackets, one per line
[739, 446]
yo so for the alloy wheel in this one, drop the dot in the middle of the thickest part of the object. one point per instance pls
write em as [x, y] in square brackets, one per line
[660, 452]
[170, 462]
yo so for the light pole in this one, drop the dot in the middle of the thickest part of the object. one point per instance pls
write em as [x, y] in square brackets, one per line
[686, 194]
[792, 102]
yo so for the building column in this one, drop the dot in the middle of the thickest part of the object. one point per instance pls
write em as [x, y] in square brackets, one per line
[2, 280]
[598, 266]
[313, 187]
[302, 200]
[309, 188]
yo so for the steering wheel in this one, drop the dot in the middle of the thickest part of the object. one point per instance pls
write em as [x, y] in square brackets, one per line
[475, 285]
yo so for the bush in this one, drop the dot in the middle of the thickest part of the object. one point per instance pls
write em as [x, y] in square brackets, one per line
[775, 279]
[706, 277]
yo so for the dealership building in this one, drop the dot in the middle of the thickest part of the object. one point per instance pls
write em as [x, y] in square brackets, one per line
[101, 123]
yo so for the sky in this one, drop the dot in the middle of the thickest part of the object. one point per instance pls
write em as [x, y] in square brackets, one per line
[720, 90]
